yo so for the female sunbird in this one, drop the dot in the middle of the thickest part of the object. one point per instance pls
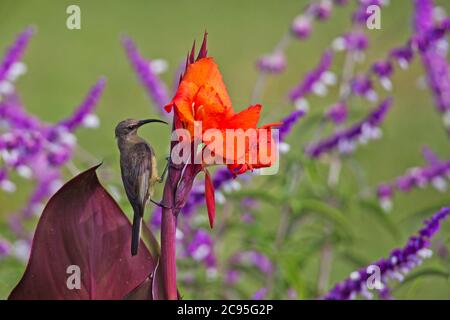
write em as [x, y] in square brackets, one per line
[139, 171]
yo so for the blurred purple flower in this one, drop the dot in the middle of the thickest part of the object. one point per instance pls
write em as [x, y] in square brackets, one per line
[346, 139]
[83, 114]
[337, 113]
[435, 173]
[5, 248]
[362, 86]
[260, 294]
[156, 89]
[254, 259]
[321, 10]
[301, 27]
[273, 63]
[13, 56]
[201, 249]
[361, 14]
[288, 123]
[399, 263]
[312, 82]
[433, 50]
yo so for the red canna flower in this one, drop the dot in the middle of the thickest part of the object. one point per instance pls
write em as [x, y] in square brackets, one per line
[202, 102]
[203, 98]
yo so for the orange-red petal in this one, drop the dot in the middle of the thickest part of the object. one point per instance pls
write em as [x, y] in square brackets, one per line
[206, 72]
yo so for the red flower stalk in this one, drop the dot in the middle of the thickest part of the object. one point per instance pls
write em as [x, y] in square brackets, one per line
[203, 98]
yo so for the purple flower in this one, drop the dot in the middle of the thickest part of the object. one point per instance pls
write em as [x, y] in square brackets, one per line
[382, 68]
[312, 81]
[337, 113]
[14, 53]
[430, 157]
[322, 10]
[273, 63]
[403, 55]
[435, 173]
[32, 148]
[201, 249]
[289, 122]
[362, 86]
[361, 15]
[361, 132]
[156, 89]
[156, 218]
[355, 41]
[434, 58]
[253, 258]
[260, 294]
[301, 27]
[232, 277]
[83, 114]
[5, 248]
[399, 263]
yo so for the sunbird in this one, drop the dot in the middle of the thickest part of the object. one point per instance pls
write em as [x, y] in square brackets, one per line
[139, 171]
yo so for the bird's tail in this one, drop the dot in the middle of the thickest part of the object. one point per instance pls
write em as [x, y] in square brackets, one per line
[136, 233]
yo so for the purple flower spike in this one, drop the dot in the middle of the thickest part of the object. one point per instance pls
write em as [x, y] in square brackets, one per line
[260, 294]
[436, 173]
[355, 41]
[322, 10]
[403, 56]
[14, 53]
[312, 81]
[434, 57]
[5, 248]
[430, 157]
[346, 140]
[362, 86]
[361, 15]
[337, 113]
[289, 122]
[301, 27]
[253, 258]
[399, 263]
[273, 63]
[382, 69]
[201, 249]
[83, 115]
[156, 89]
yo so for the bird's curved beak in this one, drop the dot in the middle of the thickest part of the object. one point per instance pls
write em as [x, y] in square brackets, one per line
[142, 122]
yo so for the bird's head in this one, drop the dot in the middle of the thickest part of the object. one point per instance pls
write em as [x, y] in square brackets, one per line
[130, 126]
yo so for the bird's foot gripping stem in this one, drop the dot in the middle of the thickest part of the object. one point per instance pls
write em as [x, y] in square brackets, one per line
[172, 165]
[159, 204]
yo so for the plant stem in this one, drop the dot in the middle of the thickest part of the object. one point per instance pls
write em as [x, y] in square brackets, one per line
[168, 230]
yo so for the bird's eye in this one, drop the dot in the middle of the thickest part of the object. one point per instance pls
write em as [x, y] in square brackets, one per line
[130, 127]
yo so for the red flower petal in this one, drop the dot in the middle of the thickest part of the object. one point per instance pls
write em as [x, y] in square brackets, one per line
[83, 226]
[209, 196]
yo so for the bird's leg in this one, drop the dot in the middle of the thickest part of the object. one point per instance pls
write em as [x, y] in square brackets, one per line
[159, 204]
[161, 179]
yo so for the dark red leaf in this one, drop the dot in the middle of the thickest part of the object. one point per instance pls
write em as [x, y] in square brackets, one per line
[141, 292]
[210, 200]
[83, 226]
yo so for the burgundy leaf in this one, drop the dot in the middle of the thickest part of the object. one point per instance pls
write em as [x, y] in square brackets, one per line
[82, 226]
[141, 292]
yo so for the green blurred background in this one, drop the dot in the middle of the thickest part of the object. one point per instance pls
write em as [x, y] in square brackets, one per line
[63, 63]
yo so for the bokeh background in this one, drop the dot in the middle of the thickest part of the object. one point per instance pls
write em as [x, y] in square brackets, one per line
[63, 63]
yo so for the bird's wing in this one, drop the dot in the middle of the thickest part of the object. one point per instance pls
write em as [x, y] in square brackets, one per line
[136, 174]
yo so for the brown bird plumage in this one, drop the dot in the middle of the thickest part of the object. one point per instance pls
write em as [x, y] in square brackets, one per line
[139, 171]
